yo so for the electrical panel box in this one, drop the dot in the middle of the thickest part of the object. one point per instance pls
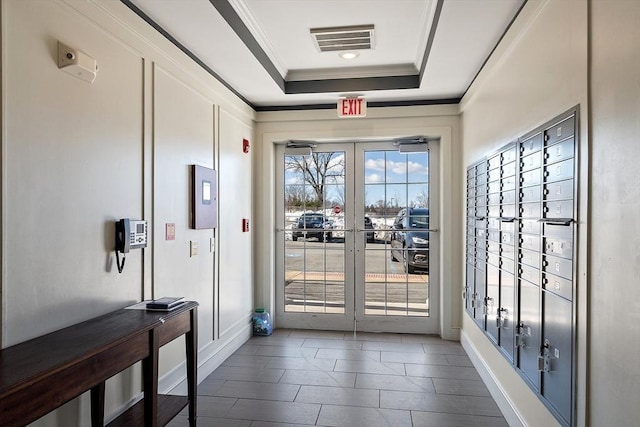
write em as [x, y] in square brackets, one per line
[520, 282]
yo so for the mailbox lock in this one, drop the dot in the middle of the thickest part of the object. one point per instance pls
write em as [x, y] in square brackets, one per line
[521, 333]
[544, 359]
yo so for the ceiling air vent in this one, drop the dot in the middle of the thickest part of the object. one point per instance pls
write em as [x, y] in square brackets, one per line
[357, 37]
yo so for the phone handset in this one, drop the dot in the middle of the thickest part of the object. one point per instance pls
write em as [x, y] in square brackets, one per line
[130, 234]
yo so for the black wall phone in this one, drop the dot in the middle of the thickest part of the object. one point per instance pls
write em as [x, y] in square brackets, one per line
[130, 234]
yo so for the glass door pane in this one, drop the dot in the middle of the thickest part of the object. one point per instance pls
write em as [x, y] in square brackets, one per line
[394, 268]
[355, 233]
[314, 246]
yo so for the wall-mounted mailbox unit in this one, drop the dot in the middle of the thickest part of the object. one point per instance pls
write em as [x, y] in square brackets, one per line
[520, 283]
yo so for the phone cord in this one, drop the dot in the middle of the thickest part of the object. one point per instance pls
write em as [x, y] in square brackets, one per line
[120, 266]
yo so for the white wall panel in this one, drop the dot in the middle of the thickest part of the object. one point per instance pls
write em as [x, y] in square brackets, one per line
[235, 203]
[183, 135]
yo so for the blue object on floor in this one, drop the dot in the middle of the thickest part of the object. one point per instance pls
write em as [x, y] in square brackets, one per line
[261, 322]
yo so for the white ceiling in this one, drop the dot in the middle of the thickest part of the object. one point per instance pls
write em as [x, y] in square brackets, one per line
[263, 50]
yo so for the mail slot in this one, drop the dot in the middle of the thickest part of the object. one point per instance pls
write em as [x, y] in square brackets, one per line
[530, 274]
[508, 210]
[557, 285]
[493, 187]
[508, 251]
[493, 259]
[558, 266]
[493, 236]
[563, 232]
[494, 174]
[531, 161]
[509, 169]
[509, 155]
[558, 209]
[508, 183]
[530, 226]
[509, 196]
[481, 168]
[494, 211]
[481, 261]
[561, 151]
[561, 190]
[471, 193]
[527, 179]
[494, 162]
[530, 210]
[531, 145]
[508, 265]
[471, 221]
[508, 227]
[530, 194]
[530, 241]
[494, 198]
[493, 223]
[558, 171]
[530, 258]
[493, 247]
[471, 250]
[560, 131]
[481, 179]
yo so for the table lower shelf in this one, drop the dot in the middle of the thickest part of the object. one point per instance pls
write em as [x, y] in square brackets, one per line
[168, 407]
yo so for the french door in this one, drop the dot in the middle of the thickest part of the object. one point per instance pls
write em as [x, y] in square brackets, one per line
[357, 238]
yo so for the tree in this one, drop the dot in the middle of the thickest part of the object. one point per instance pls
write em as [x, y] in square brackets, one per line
[317, 170]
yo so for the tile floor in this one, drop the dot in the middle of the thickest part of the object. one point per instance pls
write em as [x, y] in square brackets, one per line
[322, 378]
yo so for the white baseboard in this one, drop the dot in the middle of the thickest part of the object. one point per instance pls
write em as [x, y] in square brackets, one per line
[209, 358]
[505, 404]
[217, 354]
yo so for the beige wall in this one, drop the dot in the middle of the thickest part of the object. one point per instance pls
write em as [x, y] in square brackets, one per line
[557, 55]
[538, 72]
[614, 312]
[78, 156]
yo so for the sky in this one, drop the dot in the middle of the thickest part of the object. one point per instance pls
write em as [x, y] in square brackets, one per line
[389, 178]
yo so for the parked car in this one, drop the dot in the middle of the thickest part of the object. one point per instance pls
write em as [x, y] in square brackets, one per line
[312, 225]
[410, 239]
[368, 225]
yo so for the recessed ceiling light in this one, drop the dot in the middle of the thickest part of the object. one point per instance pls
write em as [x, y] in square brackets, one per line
[348, 55]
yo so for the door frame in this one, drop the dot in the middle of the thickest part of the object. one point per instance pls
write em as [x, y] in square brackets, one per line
[354, 319]
[441, 121]
[405, 324]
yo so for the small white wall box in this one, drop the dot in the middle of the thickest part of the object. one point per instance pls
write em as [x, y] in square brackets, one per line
[76, 63]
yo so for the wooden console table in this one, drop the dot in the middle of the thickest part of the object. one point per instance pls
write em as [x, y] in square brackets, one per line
[39, 375]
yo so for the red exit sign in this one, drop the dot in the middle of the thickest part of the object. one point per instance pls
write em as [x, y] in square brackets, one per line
[352, 107]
